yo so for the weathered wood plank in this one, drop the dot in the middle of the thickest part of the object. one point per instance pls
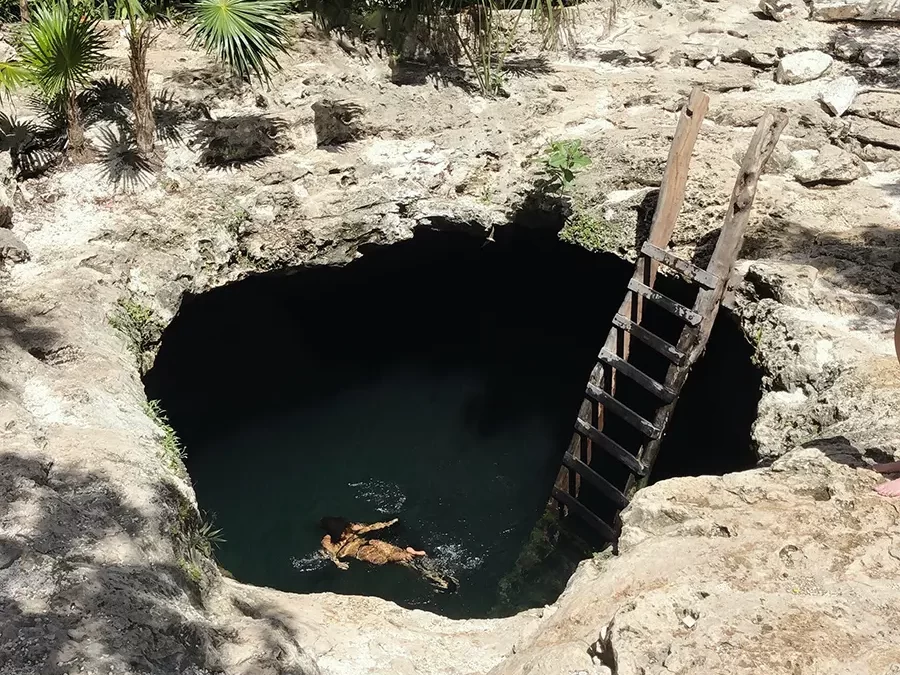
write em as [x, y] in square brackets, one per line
[618, 408]
[613, 449]
[722, 265]
[763, 143]
[580, 510]
[650, 339]
[687, 270]
[595, 479]
[668, 206]
[686, 314]
[671, 191]
[661, 391]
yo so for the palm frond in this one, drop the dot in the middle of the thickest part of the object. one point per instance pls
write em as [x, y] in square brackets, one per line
[12, 76]
[60, 50]
[245, 34]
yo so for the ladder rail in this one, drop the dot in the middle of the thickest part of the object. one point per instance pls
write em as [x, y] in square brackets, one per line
[699, 320]
[722, 264]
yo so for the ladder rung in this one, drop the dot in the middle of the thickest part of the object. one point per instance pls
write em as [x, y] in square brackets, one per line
[612, 448]
[623, 411]
[596, 480]
[653, 341]
[686, 269]
[687, 315]
[661, 391]
[584, 513]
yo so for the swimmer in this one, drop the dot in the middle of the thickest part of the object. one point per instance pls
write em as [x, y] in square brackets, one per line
[346, 540]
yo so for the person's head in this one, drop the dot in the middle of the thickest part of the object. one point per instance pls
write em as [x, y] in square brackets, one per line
[335, 526]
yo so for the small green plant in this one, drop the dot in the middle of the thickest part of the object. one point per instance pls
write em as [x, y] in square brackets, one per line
[196, 539]
[173, 452]
[141, 327]
[757, 348]
[594, 234]
[561, 162]
[235, 219]
[191, 570]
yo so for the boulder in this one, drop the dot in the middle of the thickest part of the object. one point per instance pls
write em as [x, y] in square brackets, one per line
[846, 47]
[802, 66]
[781, 10]
[831, 166]
[838, 94]
[12, 249]
[854, 10]
[881, 106]
[876, 133]
[873, 56]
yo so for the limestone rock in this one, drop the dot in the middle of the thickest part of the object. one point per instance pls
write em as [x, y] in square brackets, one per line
[235, 140]
[832, 166]
[846, 47]
[763, 59]
[802, 66]
[854, 10]
[12, 249]
[7, 51]
[7, 189]
[336, 122]
[838, 94]
[879, 106]
[656, 609]
[871, 49]
[780, 10]
[876, 133]
[6, 208]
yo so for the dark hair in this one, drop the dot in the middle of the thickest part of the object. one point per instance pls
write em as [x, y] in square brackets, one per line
[334, 526]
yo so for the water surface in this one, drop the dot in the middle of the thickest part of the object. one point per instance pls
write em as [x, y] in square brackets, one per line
[435, 381]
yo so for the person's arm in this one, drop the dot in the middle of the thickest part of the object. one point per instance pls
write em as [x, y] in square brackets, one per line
[359, 528]
[328, 548]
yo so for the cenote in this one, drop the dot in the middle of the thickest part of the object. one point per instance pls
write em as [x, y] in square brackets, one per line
[435, 380]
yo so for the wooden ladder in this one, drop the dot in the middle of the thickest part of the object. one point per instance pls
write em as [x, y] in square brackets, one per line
[712, 284]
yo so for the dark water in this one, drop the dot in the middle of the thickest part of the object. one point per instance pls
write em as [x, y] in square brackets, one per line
[435, 381]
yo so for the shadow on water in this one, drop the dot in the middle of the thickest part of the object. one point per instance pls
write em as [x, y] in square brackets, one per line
[435, 380]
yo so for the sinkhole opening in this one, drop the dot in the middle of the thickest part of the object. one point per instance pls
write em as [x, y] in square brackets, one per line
[437, 381]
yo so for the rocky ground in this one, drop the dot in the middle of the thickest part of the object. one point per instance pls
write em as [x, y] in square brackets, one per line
[784, 569]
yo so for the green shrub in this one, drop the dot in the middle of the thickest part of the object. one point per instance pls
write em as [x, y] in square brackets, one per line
[173, 452]
[561, 162]
[594, 234]
[141, 327]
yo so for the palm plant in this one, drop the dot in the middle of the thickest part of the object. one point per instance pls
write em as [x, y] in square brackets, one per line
[59, 51]
[247, 35]
[12, 76]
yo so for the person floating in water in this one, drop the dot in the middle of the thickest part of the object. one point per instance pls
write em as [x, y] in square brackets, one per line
[344, 539]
